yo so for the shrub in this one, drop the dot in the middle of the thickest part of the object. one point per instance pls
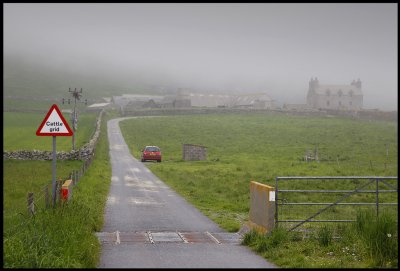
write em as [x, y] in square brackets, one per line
[325, 235]
[278, 236]
[262, 242]
[249, 238]
[379, 234]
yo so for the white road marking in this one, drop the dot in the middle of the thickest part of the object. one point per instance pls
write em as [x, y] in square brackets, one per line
[215, 239]
[183, 238]
[150, 237]
[118, 240]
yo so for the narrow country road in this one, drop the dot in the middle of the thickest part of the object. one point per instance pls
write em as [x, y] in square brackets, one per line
[148, 225]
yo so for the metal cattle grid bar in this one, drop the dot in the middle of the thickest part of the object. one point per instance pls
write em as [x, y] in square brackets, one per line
[169, 237]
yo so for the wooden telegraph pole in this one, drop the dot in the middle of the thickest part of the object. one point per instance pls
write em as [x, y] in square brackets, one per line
[74, 118]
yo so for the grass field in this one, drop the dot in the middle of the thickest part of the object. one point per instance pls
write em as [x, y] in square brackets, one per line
[259, 147]
[20, 132]
[54, 238]
[240, 148]
[14, 104]
[42, 105]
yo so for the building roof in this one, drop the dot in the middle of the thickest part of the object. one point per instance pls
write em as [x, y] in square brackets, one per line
[334, 89]
[168, 99]
[249, 99]
[215, 100]
[99, 105]
[140, 97]
[126, 98]
[209, 100]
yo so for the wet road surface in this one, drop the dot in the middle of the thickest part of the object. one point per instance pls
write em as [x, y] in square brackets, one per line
[148, 225]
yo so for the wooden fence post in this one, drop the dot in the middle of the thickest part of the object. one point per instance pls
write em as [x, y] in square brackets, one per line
[387, 150]
[59, 185]
[73, 178]
[31, 206]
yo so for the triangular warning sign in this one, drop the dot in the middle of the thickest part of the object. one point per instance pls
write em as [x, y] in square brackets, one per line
[54, 124]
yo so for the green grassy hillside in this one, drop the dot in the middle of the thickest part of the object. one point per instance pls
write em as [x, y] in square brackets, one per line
[20, 132]
[24, 77]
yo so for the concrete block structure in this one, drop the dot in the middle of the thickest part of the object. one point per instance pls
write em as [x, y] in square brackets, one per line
[194, 152]
[262, 207]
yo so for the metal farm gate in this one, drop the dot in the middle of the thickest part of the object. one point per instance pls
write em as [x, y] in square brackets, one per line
[295, 198]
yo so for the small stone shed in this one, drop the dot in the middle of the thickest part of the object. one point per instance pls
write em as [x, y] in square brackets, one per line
[194, 152]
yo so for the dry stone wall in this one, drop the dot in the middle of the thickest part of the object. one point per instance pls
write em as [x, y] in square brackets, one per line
[84, 153]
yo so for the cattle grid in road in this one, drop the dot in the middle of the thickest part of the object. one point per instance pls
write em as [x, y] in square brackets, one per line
[148, 237]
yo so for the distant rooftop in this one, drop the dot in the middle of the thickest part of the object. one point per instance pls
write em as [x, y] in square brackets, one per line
[98, 105]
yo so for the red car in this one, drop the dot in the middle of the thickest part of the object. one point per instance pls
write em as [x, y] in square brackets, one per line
[151, 153]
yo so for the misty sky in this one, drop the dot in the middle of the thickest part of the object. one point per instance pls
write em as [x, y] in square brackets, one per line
[259, 47]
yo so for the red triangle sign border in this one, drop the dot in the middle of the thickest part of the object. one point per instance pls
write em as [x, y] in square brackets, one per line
[54, 107]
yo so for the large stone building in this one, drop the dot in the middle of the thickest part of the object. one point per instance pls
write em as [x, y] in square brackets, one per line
[335, 97]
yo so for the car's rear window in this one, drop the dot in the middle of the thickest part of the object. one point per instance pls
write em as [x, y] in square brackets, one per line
[152, 149]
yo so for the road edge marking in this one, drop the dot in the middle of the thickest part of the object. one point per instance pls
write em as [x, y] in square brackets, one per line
[215, 239]
[150, 237]
[118, 241]
[183, 238]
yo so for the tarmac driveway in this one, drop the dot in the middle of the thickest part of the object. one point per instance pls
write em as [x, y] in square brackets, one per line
[148, 225]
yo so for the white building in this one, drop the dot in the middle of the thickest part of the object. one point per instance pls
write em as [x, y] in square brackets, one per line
[335, 97]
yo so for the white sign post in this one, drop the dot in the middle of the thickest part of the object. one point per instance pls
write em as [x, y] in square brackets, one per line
[54, 124]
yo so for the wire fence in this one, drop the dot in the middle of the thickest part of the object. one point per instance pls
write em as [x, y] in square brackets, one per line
[40, 200]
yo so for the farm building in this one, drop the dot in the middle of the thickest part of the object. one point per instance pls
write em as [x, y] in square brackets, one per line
[175, 101]
[125, 99]
[209, 100]
[336, 97]
[237, 101]
[260, 101]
